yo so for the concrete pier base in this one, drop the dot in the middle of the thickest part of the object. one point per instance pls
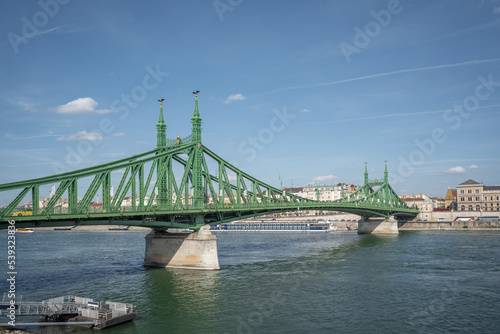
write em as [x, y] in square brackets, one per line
[378, 226]
[182, 250]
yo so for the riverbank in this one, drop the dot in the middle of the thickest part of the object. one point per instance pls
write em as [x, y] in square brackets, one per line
[450, 225]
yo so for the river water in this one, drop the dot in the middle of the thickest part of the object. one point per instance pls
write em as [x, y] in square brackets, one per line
[276, 282]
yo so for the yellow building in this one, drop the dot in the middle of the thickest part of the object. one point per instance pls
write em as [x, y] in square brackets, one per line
[450, 201]
[475, 196]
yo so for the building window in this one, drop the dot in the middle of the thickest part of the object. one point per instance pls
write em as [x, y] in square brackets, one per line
[478, 208]
[491, 198]
[469, 199]
[477, 198]
[461, 191]
[477, 191]
[485, 198]
[462, 208]
[470, 207]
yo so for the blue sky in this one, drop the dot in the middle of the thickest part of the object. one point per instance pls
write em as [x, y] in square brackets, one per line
[309, 90]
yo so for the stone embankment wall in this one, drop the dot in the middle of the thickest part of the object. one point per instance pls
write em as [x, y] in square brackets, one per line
[452, 215]
[453, 225]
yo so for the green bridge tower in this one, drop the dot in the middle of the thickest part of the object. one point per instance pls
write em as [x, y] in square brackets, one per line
[198, 191]
[161, 142]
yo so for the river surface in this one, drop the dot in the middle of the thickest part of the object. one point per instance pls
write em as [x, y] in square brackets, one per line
[275, 282]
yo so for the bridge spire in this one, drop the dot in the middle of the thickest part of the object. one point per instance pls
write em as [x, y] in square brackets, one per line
[386, 173]
[161, 128]
[198, 191]
[196, 120]
[366, 188]
[161, 141]
[366, 172]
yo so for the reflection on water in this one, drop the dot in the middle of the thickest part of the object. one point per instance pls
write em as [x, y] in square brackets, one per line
[373, 240]
[184, 295]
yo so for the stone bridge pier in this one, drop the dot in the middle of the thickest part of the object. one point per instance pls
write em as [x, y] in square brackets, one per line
[378, 226]
[196, 250]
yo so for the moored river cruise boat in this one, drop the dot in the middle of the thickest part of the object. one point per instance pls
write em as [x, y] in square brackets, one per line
[320, 226]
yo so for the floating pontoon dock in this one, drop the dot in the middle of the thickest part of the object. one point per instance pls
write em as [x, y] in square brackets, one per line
[70, 310]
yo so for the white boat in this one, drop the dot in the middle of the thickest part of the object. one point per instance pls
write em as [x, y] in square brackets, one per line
[330, 225]
[119, 228]
[25, 230]
[320, 226]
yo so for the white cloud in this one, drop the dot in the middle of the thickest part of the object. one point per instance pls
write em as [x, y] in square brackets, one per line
[305, 110]
[43, 32]
[456, 170]
[20, 102]
[118, 134]
[82, 105]
[83, 135]
[325, 178]
[472, 167]
[235, 97]
[30, 109]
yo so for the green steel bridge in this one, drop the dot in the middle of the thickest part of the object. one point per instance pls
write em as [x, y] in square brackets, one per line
[192, 186]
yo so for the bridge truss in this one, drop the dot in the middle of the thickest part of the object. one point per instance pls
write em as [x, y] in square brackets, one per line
[180, 184]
